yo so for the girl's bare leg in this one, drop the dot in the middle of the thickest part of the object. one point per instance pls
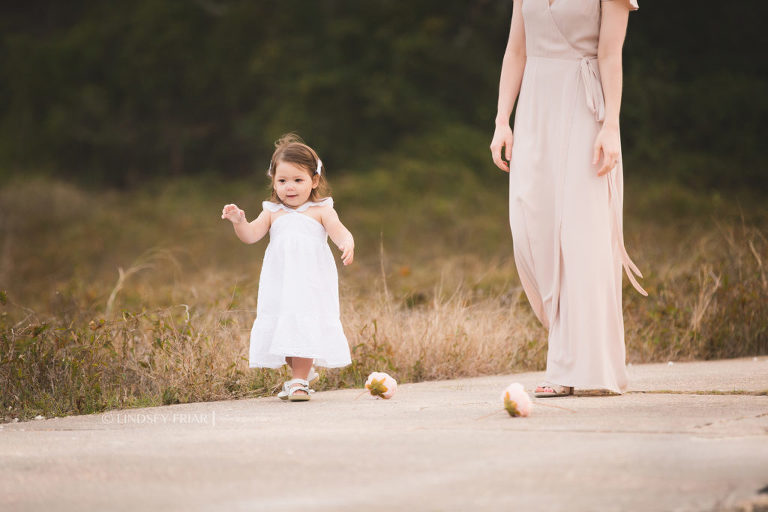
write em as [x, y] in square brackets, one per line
[300, 367]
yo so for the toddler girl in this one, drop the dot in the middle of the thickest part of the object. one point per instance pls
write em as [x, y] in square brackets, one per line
[297, 315]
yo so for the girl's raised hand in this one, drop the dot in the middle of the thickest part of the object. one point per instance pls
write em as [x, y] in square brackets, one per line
[347, 251]
[232, 213]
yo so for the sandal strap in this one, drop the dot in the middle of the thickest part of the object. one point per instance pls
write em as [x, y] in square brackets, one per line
[287, 385]
[294, 385]
[557, 388]
[298, 388]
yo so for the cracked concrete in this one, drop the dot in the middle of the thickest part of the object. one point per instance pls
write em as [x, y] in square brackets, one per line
[444, 445]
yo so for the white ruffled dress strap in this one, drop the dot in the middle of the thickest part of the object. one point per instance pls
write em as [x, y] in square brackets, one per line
[274, 207]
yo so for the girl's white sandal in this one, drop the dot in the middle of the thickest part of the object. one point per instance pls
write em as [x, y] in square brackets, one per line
[551, 390]
[291, 387]
[313, 376]
[283, 394]
[298, 385]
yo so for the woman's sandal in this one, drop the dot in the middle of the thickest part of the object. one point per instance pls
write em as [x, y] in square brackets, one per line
[290, 389]
[548, 390]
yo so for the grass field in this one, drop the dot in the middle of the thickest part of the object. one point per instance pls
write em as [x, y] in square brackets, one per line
[144, 297]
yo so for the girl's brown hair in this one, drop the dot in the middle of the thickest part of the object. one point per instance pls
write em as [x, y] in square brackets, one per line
[291, 149]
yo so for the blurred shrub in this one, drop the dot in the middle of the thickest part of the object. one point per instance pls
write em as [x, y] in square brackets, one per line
[119, 93]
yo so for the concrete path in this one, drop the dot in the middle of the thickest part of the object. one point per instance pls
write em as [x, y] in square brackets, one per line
[435, 446]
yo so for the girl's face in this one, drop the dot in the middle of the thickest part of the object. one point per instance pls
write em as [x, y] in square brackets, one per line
[293, 184]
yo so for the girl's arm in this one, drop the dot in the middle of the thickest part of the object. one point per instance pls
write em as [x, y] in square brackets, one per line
[248, 232]
[339, 234]
[509, 86]
[613, 29]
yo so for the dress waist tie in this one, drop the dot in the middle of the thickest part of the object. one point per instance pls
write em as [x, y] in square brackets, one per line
[596, 103]
[626, 261]
[593, 87]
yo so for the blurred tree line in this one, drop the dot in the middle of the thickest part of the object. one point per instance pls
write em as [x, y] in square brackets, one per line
[114, 92]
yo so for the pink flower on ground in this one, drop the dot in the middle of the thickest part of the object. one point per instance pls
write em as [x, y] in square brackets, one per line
[381, 384]
[516, 400]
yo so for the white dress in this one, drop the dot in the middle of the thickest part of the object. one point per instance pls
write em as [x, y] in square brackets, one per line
[298, 307]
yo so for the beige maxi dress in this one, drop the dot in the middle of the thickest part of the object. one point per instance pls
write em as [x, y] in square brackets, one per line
[566, 221]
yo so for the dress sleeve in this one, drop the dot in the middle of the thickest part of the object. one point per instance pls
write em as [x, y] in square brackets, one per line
[270, 206]
[631, 3]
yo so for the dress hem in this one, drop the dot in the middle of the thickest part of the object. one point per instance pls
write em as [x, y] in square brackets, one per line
[590, 387]
[327, 365]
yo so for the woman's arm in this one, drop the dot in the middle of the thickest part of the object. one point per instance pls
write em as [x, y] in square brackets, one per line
[339, 234]
[248, 232]
[509, 86]
[613, 29]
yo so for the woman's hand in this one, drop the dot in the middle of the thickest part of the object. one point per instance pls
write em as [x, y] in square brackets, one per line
[608, 143]
[502, 142]
[233, 214]
[347, 249]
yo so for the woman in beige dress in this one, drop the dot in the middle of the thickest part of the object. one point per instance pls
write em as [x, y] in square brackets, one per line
[566, 182]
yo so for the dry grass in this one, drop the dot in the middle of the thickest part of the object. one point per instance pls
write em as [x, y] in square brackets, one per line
[80, 360]
[91, 319]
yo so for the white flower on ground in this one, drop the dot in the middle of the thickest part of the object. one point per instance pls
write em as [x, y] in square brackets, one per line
[516, 400]
[381, 384]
